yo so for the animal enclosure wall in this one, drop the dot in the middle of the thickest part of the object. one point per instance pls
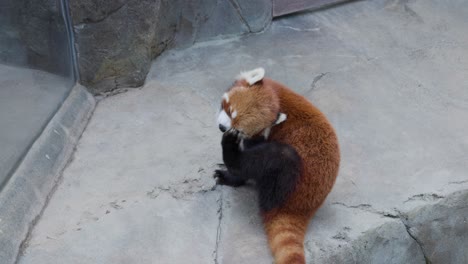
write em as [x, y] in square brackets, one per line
[36, 73]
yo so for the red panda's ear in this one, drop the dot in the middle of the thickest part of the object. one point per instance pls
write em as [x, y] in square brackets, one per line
[253, 76]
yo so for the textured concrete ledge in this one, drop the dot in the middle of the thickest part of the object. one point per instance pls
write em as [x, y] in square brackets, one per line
[436, 233]
[28, 190]
[441, 230]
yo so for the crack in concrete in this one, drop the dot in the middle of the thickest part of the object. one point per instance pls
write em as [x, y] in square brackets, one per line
[186, 115]
[405, 8]
[458, 182]
[182, 189]
[316, 80]
[424, 197]
[368, 208]
[343, 235]
[411, 12]
[218, 230]
[239, 13]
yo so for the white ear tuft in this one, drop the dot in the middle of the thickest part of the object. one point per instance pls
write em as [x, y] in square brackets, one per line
[252, 76]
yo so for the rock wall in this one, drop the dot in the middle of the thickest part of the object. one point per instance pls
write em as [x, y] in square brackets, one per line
[207, 19]
[116, 40]
[442, 229]
[436, 233]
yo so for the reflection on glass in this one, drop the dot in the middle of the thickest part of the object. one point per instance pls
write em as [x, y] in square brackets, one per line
[36, 73]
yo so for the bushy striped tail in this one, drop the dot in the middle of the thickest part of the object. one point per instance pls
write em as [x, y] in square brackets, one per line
[286, 237]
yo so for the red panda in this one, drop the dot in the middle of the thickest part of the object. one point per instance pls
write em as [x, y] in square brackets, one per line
[279, 139]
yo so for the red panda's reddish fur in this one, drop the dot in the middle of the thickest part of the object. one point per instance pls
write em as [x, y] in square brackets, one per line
[311, 134]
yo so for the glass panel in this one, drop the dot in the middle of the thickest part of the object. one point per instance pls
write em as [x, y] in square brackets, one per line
[36, 73]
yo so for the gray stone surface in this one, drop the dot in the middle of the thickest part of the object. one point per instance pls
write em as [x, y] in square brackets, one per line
[203, 20]
[442, 229]
[144, 184]
[116, 40]
[29, 188]
[212, 18]
[158, 233]
[389, 243]
[242, 237]
[256, 14]
[391, 77]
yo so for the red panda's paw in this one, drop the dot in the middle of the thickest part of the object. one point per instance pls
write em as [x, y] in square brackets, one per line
[230, 139]
[221, 165]
[223, 177]
[218, 176]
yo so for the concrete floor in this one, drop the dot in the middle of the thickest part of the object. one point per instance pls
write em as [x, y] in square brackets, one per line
[28, 99]
[390, 75]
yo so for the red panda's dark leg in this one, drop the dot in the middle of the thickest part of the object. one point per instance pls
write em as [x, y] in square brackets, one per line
[231, 150]
[233, 156]
[238, 169]
[276, 168]
[232, 160]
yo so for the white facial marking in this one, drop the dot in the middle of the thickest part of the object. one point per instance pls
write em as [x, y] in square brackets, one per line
[241, 145]
[266, 132]
[226, 97]
[282, 117]
[234, 114]
[252, 76]
[223, 119]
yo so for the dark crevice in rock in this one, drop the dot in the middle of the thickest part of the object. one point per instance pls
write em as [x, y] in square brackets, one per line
[239, 13]
[424, 197]
[408, 230]
[108, 14]
[114, 91]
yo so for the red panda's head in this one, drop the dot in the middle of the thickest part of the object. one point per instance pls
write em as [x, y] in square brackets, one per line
[249, 106]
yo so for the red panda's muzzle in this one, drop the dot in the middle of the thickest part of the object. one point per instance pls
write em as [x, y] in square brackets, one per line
[222, 128]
